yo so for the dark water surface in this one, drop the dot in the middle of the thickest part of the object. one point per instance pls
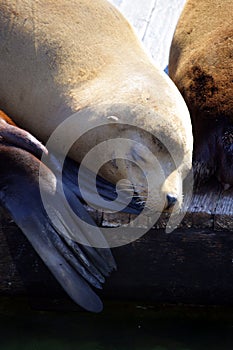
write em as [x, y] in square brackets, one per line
[121, 327]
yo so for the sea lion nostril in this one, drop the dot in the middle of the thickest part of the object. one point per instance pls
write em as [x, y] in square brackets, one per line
[171, 200]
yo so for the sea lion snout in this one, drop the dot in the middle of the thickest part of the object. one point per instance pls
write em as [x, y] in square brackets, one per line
[171, 201]
[172, 190]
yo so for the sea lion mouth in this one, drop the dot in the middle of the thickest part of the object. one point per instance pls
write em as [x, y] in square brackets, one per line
[141, 201]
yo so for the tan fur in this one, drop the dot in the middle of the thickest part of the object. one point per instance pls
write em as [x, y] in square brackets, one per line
[64, 56]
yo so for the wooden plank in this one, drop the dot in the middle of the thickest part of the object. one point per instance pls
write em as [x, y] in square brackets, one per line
[160, 30]
[138, 13]
[224, 211]
[193, 267]
[154, 22]
[116, 2]
[202, 209]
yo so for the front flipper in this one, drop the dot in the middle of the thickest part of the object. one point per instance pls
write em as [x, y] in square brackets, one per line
[75, 266]
[46, 246]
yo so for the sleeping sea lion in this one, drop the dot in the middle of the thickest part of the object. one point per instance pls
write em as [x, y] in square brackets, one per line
[201, 66]
[82, 56]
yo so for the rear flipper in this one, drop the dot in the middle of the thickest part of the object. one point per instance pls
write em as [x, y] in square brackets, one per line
[11, 134]
[76, 266]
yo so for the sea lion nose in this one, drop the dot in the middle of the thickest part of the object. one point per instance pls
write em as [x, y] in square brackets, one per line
[171, 200]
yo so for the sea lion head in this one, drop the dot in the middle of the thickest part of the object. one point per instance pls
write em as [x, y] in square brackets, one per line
[143, 145]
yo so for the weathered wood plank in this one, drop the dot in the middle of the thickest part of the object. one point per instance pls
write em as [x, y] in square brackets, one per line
[203, 206]
[193, 267]
[224, 211]
[161, 27]
[154, 22]
[193, 264]
[188, 267]
[138, 13]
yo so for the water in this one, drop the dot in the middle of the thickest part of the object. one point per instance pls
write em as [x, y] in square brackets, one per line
[120, 327]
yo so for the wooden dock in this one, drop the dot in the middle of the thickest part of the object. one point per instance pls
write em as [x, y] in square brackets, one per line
[191, 265]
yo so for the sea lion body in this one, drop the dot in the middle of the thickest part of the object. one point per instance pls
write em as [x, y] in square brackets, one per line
[69, 56]
[201, 66]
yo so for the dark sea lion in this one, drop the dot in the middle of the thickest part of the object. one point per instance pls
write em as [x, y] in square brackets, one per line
[201, 65]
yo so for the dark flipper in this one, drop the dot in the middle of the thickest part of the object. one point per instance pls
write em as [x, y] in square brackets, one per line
[72, 282]
[65, 236]
[74, 265]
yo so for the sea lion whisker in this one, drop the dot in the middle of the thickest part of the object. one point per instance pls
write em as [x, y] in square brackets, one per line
[137, 197]
[141, 202]
[130, 184]
[132, 196]
[126, 190]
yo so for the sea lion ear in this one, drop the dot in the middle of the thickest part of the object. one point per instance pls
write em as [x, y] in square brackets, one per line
[15, 136]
